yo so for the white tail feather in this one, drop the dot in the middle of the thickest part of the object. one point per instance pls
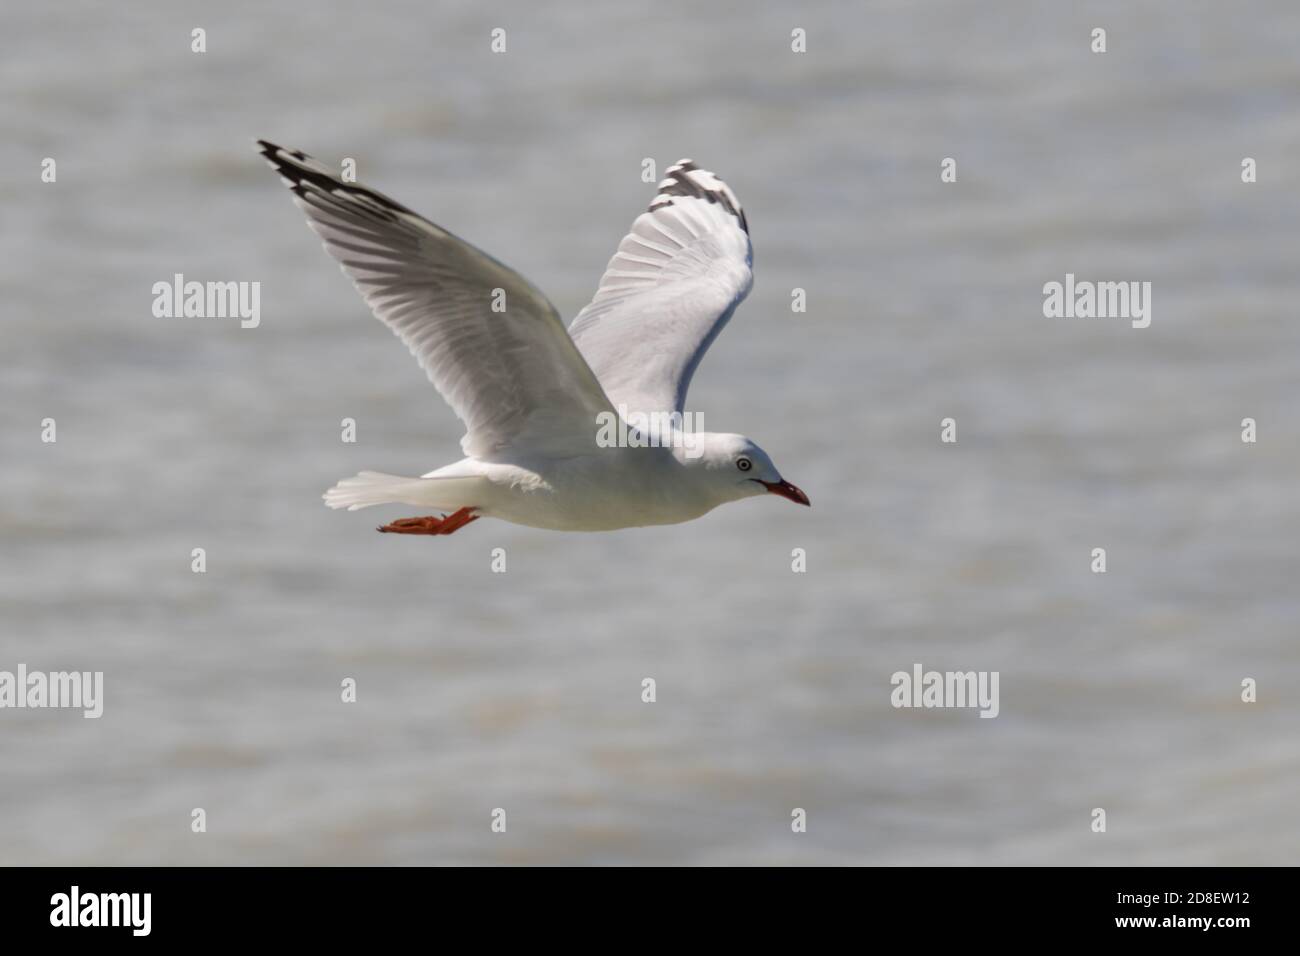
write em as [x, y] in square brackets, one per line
[376, 488]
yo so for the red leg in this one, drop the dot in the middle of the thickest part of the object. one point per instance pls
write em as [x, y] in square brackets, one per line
[447, 524]
[457, 520]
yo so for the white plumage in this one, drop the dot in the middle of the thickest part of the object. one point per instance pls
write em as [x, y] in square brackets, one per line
[532, 396]
[667, 292]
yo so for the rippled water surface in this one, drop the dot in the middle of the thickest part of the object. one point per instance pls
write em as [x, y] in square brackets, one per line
[523, 690]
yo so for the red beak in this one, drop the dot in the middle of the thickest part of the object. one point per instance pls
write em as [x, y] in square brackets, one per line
[786, 490]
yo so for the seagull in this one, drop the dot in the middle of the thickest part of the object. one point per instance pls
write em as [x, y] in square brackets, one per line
[556, 422]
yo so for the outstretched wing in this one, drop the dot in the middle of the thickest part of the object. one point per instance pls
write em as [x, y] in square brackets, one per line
[668, 291]
[514, 377]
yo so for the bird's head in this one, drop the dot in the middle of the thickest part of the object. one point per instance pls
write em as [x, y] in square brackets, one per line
[734, 467]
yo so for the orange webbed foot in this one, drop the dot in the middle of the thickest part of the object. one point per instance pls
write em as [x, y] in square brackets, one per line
[429, 524]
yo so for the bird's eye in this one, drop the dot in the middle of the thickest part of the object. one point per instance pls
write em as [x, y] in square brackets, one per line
[744, 464]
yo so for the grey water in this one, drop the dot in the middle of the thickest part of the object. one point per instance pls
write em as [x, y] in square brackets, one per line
[478, 690]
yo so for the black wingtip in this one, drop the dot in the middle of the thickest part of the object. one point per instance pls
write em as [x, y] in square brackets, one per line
[686, 179]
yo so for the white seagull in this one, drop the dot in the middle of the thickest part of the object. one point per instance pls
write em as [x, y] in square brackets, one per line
[537, 402]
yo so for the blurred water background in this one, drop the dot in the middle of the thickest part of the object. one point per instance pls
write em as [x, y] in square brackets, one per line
[522, 690]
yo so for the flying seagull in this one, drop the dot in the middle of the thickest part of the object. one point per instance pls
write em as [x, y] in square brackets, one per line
[538, 402]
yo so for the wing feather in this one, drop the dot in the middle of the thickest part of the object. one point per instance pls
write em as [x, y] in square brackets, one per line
[668, 291]
[515, 378]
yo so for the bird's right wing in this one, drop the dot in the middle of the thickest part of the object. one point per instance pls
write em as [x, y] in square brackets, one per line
[514, 377]
[668, 291]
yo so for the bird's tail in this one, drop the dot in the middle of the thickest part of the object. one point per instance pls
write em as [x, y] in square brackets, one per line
[376, 488]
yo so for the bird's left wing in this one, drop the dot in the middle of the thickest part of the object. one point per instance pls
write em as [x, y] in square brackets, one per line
[667, 292]
[511, 374]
